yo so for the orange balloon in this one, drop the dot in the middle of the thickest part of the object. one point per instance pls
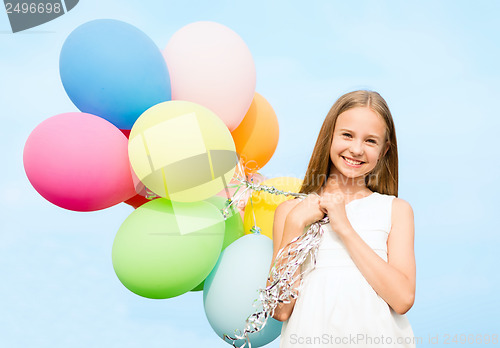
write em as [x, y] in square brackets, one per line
[257, 135]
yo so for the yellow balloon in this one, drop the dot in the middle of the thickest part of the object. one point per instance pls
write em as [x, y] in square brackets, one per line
[182, 151]
[263, 204]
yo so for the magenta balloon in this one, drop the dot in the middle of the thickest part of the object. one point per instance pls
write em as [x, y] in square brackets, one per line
[79, 162]
[209, 64]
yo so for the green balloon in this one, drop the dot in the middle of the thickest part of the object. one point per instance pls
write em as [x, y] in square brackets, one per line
[164, 248]
[200, 286]
[233, 226]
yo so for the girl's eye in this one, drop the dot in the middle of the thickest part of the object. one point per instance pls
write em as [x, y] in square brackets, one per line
[349, 135]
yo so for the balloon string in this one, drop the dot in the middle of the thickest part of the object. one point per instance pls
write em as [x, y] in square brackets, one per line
[255, 187]
[254, 228]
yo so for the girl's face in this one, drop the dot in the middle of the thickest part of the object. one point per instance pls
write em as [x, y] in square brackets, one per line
[359, 136]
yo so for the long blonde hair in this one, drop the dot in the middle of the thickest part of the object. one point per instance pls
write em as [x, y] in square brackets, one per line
[384, 177]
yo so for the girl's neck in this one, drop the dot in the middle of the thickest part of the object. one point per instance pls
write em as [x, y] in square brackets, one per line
[348, 186]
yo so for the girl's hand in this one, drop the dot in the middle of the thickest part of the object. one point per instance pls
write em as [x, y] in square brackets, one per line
[308, 211]
[333, 203]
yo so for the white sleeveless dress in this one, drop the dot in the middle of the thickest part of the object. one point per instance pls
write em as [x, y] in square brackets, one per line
[337, 307]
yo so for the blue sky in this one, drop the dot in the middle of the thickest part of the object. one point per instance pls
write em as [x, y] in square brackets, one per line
[436, 64]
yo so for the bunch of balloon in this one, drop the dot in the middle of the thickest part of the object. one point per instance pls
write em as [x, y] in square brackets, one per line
[163, 132]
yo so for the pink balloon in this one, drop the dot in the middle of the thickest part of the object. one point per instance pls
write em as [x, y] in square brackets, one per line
[79, 162]
[209, 64]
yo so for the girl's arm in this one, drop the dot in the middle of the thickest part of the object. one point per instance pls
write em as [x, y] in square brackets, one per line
[393, 280]
[285, 228]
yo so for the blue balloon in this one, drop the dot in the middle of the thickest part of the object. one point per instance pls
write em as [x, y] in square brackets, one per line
[113, 70]
[232, 287]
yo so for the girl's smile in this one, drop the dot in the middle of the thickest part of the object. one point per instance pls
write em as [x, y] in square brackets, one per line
[352, 163]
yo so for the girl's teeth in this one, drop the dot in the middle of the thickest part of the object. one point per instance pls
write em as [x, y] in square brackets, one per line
[351, 162]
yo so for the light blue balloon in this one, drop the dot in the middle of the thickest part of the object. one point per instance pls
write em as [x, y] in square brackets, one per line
[111, 69]
[231, 288]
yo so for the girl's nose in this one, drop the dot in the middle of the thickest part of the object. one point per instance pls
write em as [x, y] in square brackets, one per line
[356, 149]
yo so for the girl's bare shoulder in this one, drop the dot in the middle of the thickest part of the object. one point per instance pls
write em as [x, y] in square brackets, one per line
[401, 204]
[401, 210]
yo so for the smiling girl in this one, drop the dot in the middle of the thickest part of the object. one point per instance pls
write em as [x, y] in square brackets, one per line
[363, 282]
